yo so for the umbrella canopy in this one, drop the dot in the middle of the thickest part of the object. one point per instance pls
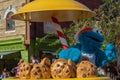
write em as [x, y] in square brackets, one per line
[63, 10]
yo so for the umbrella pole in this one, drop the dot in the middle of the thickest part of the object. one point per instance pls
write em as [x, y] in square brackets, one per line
[60, 33]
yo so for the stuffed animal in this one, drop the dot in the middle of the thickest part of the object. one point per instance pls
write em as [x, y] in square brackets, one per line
[89, 46]
[36, 72]
[41, 70]
[62, 68]
[45, 68]
[86, 69]
[25, 69]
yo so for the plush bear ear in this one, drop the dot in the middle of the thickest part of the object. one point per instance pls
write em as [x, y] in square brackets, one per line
[70, 62]
[45, 61]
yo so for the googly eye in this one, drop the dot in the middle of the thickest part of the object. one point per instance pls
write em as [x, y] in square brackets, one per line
[97, 31]
[100, 32]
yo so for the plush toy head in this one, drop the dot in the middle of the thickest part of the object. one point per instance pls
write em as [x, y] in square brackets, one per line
[90, 37]
[25, 69]
[62, 68]
[86, 69]
[41, 70]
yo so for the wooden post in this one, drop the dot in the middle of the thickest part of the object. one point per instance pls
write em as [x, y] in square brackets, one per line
[27, 30]
[27, 35]
[27, 1]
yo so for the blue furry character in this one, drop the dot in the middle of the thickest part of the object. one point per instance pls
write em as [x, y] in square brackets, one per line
[89, 46]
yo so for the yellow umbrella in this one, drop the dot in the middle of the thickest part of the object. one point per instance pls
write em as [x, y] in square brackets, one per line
[51, 10]
[63, 10]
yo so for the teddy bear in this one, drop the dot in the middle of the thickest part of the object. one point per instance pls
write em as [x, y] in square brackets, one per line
[41, 70]
[25, 69]
[86, 69]
[62, 68]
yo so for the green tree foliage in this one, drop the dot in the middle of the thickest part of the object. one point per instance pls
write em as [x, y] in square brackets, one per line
[50, 42]
[107, 19]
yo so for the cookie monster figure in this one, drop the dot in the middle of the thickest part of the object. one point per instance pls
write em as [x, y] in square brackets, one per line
[89, 46]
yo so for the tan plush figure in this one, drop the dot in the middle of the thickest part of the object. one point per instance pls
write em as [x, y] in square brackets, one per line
[73, 68]
[41, 70]
[45, 68]
[25, 69]
[62, 68]
[36, 72]
[86, 69]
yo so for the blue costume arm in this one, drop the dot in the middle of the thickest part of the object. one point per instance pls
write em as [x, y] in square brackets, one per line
[72, 53]
[110, 52]
[101, 59]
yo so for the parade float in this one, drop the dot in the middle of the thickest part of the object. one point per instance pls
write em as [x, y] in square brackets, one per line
[70, 65]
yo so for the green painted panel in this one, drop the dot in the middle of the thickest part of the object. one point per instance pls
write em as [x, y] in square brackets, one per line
[13, 47]
[15, 44]
[11, 41]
